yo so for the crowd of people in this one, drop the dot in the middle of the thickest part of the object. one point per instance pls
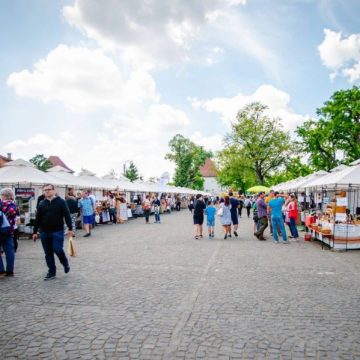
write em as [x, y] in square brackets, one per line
[56, 217]
[275, 209]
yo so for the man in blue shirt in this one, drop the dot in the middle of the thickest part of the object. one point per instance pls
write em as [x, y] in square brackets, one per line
[275, 208]
[87, 207]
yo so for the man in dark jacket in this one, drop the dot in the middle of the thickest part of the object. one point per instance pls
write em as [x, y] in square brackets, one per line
[50, 220]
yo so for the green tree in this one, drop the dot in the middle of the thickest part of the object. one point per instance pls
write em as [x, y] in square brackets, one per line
[260, 140]
[41, 162]
[293, 168]
[335, 137]
[188, 157]
[234, 170]
[132, 172]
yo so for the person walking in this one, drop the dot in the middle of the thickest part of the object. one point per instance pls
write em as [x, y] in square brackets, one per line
[262, 216]
[241, 203]
[156, 204]
[247, 205]
[8, 214]
[210, 218]
[147, 208]
[234, 212]
[277, 219]
[112, 208]
[73, 206]
[50, 221]
[225, 216]
[87, 207]
[198, 217]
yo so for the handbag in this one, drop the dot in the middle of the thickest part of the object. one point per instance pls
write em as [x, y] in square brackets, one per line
[220, 212]
[71, 247]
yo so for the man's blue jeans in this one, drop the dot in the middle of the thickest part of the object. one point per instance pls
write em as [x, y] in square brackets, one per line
[53, 243]
[7, 244]
[278, 221]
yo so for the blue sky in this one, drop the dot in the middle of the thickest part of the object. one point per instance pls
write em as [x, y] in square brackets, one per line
[99, 83]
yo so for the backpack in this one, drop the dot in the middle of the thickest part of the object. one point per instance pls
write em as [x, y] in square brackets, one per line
[4, 223]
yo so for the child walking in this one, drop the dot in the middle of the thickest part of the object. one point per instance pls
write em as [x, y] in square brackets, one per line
[210, 218]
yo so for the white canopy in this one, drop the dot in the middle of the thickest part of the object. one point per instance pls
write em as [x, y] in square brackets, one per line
[350, 176]
[319, 182]
[23, 172]
[63, 176]
[302, 182]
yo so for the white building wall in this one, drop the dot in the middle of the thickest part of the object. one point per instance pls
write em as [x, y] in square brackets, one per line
[212, 186]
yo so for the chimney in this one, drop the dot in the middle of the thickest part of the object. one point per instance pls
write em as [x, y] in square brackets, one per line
[9, 156]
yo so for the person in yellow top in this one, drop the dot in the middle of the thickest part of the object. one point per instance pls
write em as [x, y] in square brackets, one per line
[270, 196]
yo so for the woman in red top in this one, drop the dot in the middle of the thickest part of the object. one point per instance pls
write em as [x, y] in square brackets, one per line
[293, 214]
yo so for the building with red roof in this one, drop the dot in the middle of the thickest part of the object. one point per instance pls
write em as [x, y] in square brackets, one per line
[209, 173]
[5, 159]
[56, 161]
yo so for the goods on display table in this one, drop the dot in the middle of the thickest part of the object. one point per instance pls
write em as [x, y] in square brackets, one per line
[336, 227]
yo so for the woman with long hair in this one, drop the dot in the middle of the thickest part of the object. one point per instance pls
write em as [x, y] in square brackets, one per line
[293, 214]
[225, 217]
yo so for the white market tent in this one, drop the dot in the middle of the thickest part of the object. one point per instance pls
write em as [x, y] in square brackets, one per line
[348, 177]
[300, 183]
[63, 176]
[285, 185]
[21, 172]
[319, 182]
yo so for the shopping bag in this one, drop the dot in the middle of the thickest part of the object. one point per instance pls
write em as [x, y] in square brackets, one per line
[71, 247]
[220, 212]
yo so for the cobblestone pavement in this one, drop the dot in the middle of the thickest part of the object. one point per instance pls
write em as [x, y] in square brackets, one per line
[140, 291]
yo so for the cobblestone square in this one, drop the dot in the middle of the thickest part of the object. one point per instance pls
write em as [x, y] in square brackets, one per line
[140, 291]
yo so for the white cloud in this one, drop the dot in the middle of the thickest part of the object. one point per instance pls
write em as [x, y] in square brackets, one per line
[146, 33]
[277, 101]
[213, 142]
[83, 80]
[341, 54]
[41, 144]
[165, 118]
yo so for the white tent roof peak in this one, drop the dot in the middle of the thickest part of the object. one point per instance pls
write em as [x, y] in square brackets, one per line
[339, 168]
[356, 162]
[110, 177]
[85, 172]
[321, 172]
[58, 168]
[20, 162]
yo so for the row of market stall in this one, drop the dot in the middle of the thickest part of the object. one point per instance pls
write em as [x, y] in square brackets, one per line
[27, 182]
[330, 203]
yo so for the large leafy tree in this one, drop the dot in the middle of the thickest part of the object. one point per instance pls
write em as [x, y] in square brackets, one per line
[335, 136]
[41, 162]
[188, 158]
[234, 170]
[261, 140]
[132, 172]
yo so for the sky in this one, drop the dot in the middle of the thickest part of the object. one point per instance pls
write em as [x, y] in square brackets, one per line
[102, 83]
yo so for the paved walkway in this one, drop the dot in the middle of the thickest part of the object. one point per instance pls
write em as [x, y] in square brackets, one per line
[141, 291]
